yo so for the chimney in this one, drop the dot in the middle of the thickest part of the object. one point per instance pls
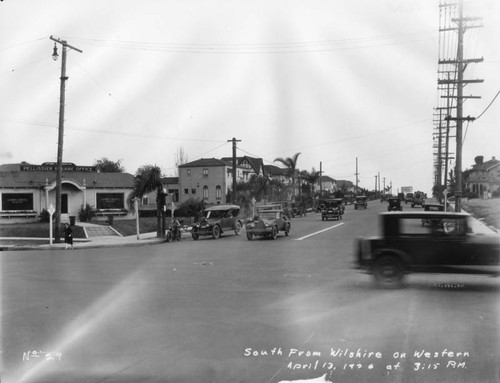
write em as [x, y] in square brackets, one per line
[479, 160]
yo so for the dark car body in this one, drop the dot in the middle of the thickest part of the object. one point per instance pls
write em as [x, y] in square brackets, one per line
[268, 223]
[404, 246]
[360, 202]
[331, 208]
[218, 220]
[394, 204]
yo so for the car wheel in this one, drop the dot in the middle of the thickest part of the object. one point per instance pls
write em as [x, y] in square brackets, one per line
[195, 235]
[388, 272]
[287, 230]
[274, 233]
[216, 232]
[178, 235]
[249, 236]
[237, 228]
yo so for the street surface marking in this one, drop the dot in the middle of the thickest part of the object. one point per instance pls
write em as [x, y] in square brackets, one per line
[318, 232]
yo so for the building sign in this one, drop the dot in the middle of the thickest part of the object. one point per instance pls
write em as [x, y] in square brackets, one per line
[110, 200]
[17, 201]
[52, 167]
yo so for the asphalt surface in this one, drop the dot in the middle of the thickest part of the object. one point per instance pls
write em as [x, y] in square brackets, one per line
[233, 310]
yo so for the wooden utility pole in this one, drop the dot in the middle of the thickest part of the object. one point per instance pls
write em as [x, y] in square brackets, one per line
[357, 174]
[233, 196]
[461, 65]
[62, 98]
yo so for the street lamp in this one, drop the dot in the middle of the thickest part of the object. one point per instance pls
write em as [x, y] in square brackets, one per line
[64, 78]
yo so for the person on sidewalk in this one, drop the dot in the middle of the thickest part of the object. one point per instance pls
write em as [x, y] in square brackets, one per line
[68, 236]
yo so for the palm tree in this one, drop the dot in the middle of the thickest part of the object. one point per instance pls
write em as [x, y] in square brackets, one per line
[291, 164]
[147, 179]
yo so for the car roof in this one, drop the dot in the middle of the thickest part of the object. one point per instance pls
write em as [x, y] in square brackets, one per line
[426, 214]
[222, 207]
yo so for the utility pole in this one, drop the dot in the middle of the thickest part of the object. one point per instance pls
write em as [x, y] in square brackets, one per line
[320, 181]
[64, 78]
[234, 141]
[460, 64]
[375, 184]
[357, 174]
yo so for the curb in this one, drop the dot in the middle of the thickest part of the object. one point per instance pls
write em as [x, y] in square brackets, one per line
[146, 242]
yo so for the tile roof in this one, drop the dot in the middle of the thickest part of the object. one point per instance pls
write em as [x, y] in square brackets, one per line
[12, 176]
[205, 162]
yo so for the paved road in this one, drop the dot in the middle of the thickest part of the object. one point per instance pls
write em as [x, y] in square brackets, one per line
[234, 310]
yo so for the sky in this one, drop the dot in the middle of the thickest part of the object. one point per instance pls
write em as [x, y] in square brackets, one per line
[334, 80]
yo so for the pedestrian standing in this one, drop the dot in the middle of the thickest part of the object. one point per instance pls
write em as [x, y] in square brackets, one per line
[68, 236]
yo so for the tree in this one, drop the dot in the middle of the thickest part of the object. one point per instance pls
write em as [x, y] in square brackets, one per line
[148, 179]
[180, 158]
[104, 165]
[291, 165]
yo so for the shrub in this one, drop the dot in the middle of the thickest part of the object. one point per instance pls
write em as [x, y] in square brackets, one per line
[86, 213]
[45, 216]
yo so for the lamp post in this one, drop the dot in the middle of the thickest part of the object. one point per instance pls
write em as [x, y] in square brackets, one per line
[51, 212]
[64, 78]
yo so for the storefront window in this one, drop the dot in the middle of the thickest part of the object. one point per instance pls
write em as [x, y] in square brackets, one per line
[17, 201]
[110, 200]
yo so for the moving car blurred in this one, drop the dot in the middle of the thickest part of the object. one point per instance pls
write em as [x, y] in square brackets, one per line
[218, 220]
[268, 223]
[405, 246]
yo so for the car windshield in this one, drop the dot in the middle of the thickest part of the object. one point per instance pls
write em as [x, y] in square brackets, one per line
[214, 213]
[269, 215]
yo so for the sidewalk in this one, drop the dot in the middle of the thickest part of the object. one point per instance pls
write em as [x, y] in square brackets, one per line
[92, 242]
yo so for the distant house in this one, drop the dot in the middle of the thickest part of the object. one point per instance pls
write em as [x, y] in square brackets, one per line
[27, 189]
[249, 165]
[325, 184]
[484, 177]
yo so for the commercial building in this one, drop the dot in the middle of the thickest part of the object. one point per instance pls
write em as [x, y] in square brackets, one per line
[27, 189]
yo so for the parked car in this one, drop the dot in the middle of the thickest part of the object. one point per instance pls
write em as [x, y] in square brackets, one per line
[360, 202]
[404, 246]
[432, 207]
[268, 223]
[394, 204]
[218, 220]
[332, 208]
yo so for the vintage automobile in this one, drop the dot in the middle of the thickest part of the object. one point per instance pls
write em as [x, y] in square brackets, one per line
[408, 197]
[360, 202]
[332, 208]
[404, 247]
[268, 223]
[432, 207]
[297, 210]
[394, 204]
[418, 199]
[218, 220]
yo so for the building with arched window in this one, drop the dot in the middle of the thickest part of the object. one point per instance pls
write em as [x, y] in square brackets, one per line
[27, 189]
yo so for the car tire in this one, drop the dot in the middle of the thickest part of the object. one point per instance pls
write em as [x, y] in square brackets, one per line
[237, 228]
[388, 272]
[195, 235]
[216, 232]
[249, 236]
[287, 229]
[274, 233]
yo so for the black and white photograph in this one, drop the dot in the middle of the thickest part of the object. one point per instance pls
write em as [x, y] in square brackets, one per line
[250, 191]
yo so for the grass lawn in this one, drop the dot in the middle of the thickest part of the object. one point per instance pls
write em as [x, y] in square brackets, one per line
[487, 210]
[34, 230]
